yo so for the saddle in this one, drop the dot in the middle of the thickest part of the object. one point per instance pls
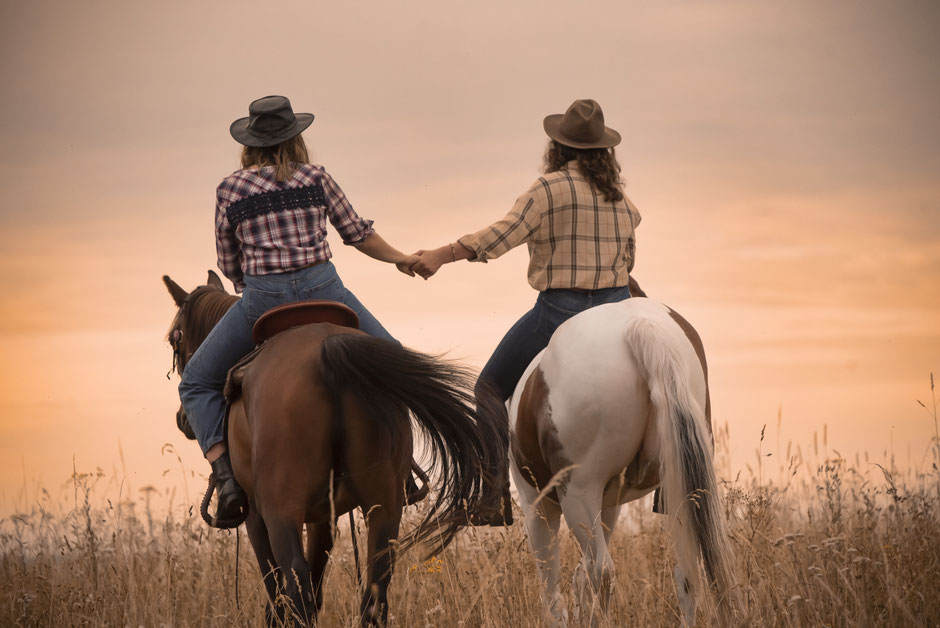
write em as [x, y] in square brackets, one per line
[282, 318]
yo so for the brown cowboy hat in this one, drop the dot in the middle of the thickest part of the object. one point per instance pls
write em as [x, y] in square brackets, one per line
[582, 126]
[270, 121]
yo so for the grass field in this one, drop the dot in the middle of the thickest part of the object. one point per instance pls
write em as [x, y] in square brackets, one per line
[825, 542]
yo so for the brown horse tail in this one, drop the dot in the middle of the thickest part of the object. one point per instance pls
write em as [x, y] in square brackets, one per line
[388, 380]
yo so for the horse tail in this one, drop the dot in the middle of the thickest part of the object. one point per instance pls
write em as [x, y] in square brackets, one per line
[687, 464]
[388, 381]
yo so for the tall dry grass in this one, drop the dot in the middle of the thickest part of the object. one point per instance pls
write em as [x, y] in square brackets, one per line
[818, 540]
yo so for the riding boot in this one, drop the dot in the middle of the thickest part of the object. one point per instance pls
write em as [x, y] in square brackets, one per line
[232, 501]
[495, 505]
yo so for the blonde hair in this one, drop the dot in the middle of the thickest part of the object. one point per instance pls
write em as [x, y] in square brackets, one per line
[281, 156]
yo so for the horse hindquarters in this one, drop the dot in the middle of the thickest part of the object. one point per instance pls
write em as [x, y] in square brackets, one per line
[387, 382]
[376, 384]
[626, 384]
[280, 435]
[669, 363]
[577, 425]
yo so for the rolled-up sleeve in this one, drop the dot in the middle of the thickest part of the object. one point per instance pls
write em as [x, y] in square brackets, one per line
[515, 228]
[351, 228]
[226, 242]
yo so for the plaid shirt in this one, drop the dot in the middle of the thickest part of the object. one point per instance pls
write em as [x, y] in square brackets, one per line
[263, 226]
[576, 238]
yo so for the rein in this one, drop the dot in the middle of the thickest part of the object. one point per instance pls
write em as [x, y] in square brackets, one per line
[202, 309]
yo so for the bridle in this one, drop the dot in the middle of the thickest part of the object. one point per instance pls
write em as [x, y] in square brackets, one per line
[179, 360]
[176, 336]
[186, 334]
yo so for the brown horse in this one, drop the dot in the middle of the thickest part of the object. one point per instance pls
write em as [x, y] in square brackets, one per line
[322, 427]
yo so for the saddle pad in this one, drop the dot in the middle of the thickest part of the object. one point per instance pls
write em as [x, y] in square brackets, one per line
[283, 317]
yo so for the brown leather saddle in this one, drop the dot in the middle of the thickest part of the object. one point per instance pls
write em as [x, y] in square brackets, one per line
[283, 317]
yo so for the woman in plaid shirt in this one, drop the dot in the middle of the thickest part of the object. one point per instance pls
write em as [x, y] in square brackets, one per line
[270, 228]
[579, 228]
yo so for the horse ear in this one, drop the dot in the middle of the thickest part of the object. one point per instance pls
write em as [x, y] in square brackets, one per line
[179, 295]
[214, 281]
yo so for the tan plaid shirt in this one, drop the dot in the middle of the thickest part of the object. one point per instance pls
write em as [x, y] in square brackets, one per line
[576, 238]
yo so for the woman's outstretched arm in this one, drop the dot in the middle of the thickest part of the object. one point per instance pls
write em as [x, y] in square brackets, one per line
[377, 248]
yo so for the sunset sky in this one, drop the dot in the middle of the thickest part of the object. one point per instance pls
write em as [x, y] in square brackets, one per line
[785, 157]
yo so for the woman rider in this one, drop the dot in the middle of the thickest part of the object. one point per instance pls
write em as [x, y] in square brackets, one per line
[270, 229]
[579, 228]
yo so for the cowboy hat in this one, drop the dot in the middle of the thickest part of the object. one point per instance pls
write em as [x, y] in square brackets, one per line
[270, 121]
[582, 126]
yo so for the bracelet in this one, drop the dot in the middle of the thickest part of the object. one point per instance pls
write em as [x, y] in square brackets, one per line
[453, 252]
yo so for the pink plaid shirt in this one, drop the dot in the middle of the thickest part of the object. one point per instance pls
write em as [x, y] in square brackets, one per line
[263, 226]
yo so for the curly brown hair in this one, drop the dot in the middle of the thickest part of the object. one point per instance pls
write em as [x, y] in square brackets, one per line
[599, 165]
[280, 156]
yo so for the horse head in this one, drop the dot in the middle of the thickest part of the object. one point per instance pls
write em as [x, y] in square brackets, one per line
[190, 327]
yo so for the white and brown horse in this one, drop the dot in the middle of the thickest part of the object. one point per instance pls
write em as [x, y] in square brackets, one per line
[616, 406]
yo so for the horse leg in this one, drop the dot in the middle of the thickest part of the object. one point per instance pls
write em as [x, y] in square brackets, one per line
[319, 546]
[258, 535]
[686, 596]
[543, 521]
[285, 539]
[609, 518]
[383, 522]
[593, 579]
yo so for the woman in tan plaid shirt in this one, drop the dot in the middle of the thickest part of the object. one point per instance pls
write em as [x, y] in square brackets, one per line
[579, 228]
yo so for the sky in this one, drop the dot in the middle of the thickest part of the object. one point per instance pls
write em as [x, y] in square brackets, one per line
[785, 157]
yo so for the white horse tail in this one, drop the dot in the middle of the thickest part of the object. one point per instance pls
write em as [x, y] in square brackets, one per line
[667, 359]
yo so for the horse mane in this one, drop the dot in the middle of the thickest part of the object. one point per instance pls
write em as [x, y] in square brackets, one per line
[203, 308]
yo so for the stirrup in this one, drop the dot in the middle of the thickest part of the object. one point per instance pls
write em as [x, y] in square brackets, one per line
[213, 521]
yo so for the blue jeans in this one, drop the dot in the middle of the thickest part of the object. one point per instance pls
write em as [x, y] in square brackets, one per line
[204, 376]
[532, 332]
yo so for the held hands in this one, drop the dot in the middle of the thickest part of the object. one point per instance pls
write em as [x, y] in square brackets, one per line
[406, 264]
[426, 263]
[429, 262]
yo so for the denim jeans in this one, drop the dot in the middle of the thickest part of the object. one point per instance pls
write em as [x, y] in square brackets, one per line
[532, 332]
[205, 373]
